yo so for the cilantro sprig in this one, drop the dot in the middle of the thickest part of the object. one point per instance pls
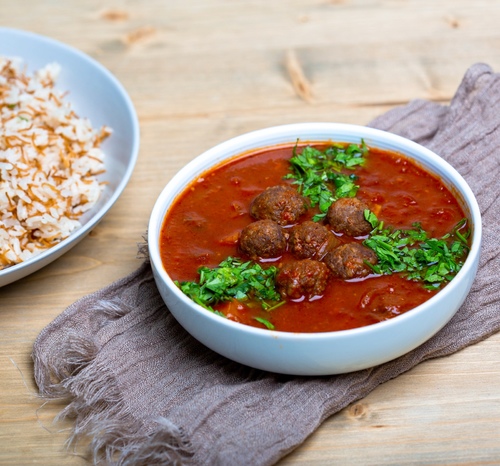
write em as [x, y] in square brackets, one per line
[233, 279]
[265, 322]
[317, 173]
[433, 261]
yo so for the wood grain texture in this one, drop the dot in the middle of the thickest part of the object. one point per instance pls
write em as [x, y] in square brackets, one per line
[200, 72]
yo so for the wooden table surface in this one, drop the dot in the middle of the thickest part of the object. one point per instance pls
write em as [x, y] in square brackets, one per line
[200, 72]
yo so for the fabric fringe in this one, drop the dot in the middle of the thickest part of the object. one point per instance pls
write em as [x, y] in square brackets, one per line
[117, 438]
[142, 249]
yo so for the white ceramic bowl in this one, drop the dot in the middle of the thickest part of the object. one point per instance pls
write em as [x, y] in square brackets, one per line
[95, 94]
[316, 353]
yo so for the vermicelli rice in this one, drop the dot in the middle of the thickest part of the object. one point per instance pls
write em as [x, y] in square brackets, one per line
[49, 162]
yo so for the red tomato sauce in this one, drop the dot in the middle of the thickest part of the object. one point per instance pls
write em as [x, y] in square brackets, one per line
[203, 225]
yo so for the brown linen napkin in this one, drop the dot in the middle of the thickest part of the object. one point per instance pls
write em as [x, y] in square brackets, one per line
[147, 393]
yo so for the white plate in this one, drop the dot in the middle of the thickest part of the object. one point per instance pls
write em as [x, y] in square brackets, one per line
[95, 94]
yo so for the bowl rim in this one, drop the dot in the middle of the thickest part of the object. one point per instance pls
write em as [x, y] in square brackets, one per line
[38, 261]
[193, 170]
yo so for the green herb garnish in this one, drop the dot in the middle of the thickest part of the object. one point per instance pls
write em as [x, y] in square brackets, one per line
[317, 173]
[430, 260]
[265, 322]
[233, 279]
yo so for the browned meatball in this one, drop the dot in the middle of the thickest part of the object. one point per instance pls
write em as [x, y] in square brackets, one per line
[305, 278]
[262, 239]
[382, 303]
[282, 204]
[346, 215]
[347, 261]
[311, 240]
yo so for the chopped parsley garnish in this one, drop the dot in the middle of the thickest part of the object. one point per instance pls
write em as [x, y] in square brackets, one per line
[430, 260]
[317, 173]
[233, 279]
[265, 322]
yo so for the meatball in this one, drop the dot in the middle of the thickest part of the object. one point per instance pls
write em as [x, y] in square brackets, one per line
[348, 260]
[311, 240]
[262, 239]
[382, 303]
[282, 204]
[305, 278]
[346, 215]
